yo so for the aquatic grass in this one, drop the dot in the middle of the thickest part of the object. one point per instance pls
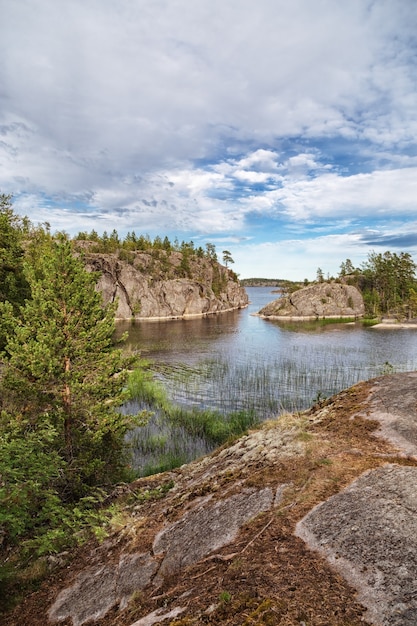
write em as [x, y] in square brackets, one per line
[199, 404]
[286, 383]
[164, 463]
[175, 434]
[213, 426]
[143, 386]
[163, 444]
[370, 321]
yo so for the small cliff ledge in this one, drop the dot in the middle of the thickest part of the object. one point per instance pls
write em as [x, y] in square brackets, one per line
[322, 300]
[153, 286]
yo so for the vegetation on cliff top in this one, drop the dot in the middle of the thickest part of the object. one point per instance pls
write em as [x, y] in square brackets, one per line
[387, 282]
[169, 259]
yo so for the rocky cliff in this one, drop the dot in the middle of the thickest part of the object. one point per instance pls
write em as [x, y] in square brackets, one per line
[159, 284]
[318, 301]
[310, 519]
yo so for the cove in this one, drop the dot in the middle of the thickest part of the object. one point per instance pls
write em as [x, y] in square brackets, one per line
[237, 361]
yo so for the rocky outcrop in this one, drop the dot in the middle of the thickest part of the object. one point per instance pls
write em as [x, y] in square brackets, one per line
[353, 531]
[149, 285]
[311, 518]
[318, 301]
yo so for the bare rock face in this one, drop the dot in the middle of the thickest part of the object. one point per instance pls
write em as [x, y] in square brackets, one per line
[368, 533]
[322, 300]
[99, 588]
[204, 529]
[148, 286]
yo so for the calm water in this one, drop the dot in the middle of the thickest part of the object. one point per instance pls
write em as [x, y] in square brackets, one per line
[235, 360]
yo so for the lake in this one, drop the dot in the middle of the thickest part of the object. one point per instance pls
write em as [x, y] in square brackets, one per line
[234, 361]
[200, 361]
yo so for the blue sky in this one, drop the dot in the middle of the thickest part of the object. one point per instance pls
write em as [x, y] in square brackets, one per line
[284, 131]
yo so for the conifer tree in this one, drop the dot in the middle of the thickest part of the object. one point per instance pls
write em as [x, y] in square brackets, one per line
[13, 287]
[62, 377]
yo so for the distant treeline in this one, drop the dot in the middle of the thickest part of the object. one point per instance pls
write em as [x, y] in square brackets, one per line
[271, 282]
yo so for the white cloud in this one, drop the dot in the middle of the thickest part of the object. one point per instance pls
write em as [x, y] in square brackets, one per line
[266, 160]
[171, 115]
[298, 259]
[332, 195]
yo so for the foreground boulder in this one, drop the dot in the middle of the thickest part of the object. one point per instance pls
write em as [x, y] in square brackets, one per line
[318, 301]
[309, 519]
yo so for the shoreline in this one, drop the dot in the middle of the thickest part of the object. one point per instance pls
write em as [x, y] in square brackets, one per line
[395, 325]
[384, 324]
[184, 316]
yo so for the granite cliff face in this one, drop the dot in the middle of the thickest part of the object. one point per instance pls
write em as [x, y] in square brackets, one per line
[162, 285]
[322, 300]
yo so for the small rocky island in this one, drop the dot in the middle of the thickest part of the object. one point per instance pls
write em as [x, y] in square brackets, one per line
[318, 301]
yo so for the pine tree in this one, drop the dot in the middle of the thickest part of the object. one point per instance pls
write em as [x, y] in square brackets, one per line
[62, 374]
[227, 258]
[13, 287]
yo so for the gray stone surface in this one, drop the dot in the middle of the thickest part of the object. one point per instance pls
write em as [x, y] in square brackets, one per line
[159, 616]
[96, 590]
[394, 405]
[205, 528]
[147, 288]
[208, 527]
[368, 533]
[317, 301]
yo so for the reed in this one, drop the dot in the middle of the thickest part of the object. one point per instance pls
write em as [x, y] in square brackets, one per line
[198, 407]
[175, 434]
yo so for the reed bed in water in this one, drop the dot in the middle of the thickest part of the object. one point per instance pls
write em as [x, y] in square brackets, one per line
[290, 382]
[266, 389]
[176, 434]
[195, 408]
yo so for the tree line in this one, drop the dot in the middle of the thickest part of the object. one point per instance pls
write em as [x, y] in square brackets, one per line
[107, 243]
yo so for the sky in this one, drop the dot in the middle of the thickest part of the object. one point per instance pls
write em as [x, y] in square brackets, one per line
[283, 131]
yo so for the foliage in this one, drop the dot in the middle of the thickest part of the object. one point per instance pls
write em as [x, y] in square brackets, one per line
[161, 262]
[346, 268]
[13, 285]
[132, 242]
[227, 258]
[61, 430]
[29, 467]
[388, 282]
